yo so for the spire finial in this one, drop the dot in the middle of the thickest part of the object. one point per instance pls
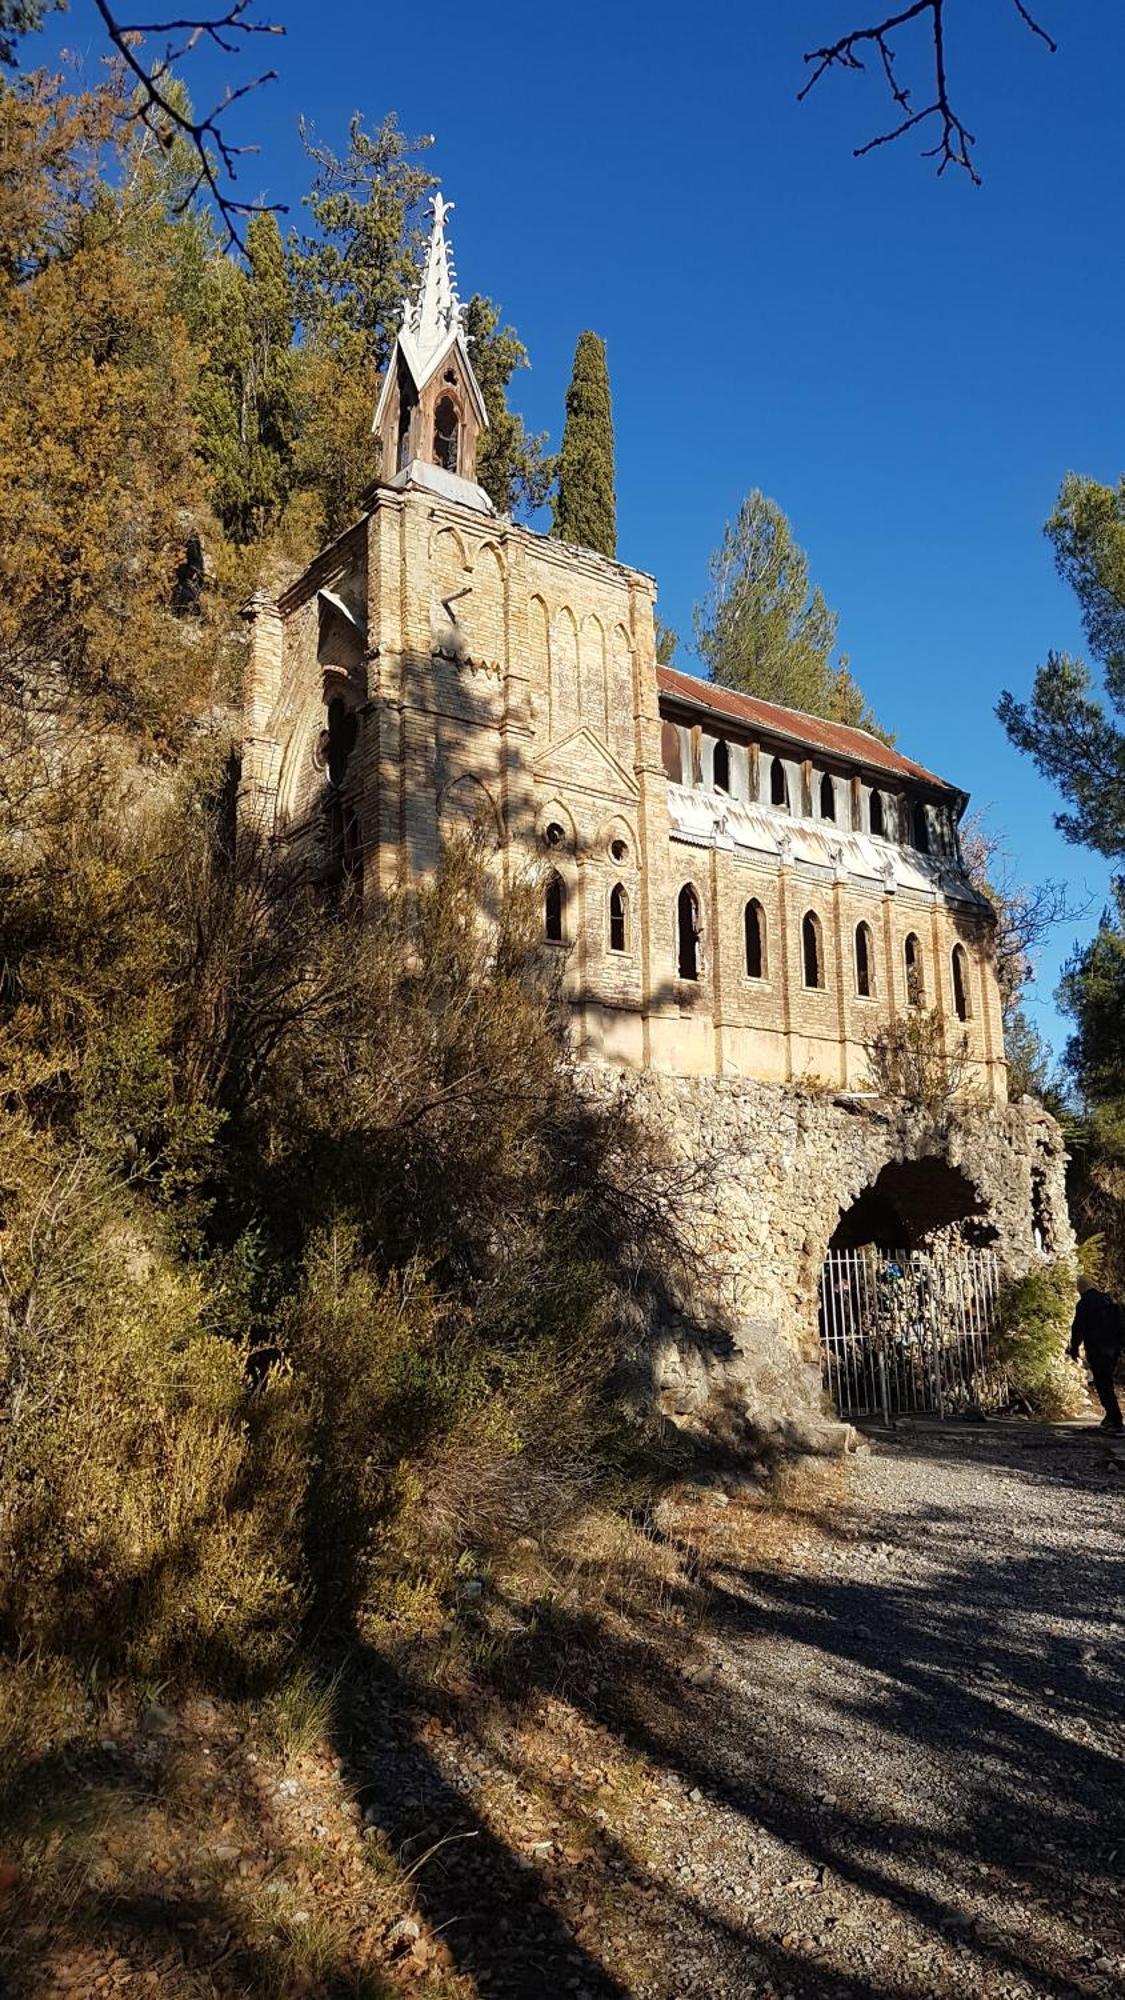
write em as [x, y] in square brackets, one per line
[433, 314]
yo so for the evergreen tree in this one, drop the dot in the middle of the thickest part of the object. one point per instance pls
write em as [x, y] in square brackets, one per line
[19, 17]
[246, 392]
[351, 273]
[353, 268]
[585, 505]
[847, 703]
[97, 467]
[1076, 737]
[667, 643]
[1074, 730]
[512, 466]
[763, 628]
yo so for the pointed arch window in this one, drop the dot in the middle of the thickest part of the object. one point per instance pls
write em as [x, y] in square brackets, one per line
[779, 785]
[876, 816]
[672, 753]
[915, 972]
[554, 909]
[687, 933]
[447, 433]
[812, 950]
[618, 918]
[754, 925]
[961, 1001]
[864, 962]
[720, 766]
[827, 798]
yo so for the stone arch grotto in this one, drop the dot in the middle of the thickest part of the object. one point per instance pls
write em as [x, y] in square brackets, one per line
[739, 1343]
[910, 1201]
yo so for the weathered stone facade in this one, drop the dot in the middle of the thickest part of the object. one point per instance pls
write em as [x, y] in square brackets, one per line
[787, 1165]
[739, 894]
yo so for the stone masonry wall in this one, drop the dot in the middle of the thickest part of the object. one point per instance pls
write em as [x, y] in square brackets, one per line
[741, 1354]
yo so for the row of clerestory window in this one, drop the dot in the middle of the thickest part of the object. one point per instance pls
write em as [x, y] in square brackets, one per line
[689, 938]
[917, 828]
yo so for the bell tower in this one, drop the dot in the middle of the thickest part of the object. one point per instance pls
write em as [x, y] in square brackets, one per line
[431, 411]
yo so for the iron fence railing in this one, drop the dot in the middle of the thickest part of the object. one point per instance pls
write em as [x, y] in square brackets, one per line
[909, 1333]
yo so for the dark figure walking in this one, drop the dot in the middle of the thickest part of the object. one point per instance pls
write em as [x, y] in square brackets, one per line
[1099, 1327]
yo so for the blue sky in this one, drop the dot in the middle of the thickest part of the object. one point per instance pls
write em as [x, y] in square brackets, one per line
[909, 366]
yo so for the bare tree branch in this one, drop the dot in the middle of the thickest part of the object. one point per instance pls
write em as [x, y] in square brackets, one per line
[158, 110]
[955, 144]
[1026, 913]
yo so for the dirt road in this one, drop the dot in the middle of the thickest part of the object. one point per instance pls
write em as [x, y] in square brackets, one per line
[910, 1754]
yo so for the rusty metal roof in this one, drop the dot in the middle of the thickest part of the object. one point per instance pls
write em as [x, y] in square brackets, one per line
[855, 746]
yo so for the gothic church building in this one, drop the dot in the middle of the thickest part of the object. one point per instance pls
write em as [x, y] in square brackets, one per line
[737, 889]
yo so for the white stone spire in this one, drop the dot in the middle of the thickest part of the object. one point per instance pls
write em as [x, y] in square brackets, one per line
[431, 411]
[436, 312]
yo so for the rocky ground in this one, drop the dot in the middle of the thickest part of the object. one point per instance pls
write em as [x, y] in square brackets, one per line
[870, 1749]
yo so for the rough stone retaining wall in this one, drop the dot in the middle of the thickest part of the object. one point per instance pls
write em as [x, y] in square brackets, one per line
[738, 1355]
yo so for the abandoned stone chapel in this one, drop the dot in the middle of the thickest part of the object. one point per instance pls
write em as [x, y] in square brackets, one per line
[740, 895]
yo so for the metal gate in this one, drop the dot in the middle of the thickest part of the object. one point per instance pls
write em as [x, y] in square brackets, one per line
[908, 1332]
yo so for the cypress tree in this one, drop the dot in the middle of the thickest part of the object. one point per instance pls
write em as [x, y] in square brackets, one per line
[585, 506]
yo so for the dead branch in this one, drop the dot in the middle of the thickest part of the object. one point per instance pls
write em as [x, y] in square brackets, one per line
[217, 159]
[955, 143]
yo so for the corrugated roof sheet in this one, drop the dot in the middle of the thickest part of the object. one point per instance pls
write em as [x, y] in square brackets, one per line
[854, 744]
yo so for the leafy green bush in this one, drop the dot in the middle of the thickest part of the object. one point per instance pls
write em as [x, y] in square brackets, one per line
[1033, 1327]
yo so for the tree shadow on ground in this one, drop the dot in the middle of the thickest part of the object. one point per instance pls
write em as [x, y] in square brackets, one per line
[938, 1749]
[929, 1746]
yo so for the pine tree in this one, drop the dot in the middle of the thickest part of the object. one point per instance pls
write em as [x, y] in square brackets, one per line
[765, 629]
[585, 506]
[20, 17]
[246, 391]
[351, 272]
[512, 465]
[1072, 726]
[667, 643]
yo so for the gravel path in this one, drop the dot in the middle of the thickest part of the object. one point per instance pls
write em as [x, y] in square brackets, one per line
[903, 1776]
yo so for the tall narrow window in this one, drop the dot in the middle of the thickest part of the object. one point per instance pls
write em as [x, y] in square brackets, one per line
[921, 828]
[720, 767]
[864, 962]
[687, 933]
[812, 947]
[554, 909]
[915, 977]
[878, 824]
[618, 918]
[407, 404]
[446, 429]
[338, 740]
[779, 785]
[827, 798]
[672, 753]
[961, 982]
[755, 927]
